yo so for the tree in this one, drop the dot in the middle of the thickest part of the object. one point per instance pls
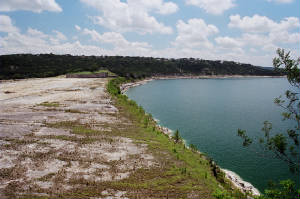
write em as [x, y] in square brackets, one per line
[177, 138]
[93, 67]
[286, 189]
[284, 145]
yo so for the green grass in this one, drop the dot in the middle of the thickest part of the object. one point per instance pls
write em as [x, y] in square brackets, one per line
[98, 71]
[76, 128]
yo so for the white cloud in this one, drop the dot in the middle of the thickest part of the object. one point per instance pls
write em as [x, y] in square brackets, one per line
[281, 1]
[255, 39]
[158, 6]
[262, 35]
[194, 34]
[77, 27]
[215, 7]
[228, 42]
[255, 46]
[120, 44]
[33, 41]
[262, 31]
[238, 55]
[259, 23]
[285, 37]
[253, 50]
[36, 33]
[6, 24]
[59, 35]
[260, 59]
[133, 15]
[30, 5]
[36, 42]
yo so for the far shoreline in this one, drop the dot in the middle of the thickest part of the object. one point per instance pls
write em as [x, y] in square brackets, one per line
[125, 87]
[211, 76]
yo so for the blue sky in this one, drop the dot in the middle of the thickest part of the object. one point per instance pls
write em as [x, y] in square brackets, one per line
[247, 31]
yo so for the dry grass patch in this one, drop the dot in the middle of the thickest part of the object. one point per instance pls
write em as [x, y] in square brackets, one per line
[74, 111]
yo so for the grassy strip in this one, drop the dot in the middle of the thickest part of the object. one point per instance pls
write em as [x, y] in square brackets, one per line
[187, 171]
[94, 72]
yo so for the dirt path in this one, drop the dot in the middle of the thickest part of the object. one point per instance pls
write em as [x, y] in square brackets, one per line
[58, 135]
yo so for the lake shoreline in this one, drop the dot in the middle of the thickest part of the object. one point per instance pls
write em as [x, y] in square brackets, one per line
[126, 86]
[235, 179]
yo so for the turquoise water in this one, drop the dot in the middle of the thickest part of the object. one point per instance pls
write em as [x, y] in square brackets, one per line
[208, 112]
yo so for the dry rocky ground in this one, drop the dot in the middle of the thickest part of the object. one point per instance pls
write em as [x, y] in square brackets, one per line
[58, 136]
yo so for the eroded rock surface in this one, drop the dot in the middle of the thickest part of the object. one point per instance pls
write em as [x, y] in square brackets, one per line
[56, 135]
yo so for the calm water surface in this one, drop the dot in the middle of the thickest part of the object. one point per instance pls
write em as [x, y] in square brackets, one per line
[208, 112]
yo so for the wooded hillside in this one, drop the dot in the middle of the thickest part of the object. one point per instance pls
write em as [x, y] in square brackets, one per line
[46, 65]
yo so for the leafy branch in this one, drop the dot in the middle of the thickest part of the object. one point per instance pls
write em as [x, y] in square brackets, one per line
[285, 146]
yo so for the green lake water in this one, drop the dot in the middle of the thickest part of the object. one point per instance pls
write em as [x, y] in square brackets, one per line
[208, 112]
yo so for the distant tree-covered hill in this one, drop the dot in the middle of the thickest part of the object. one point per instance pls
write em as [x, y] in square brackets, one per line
[46, 65]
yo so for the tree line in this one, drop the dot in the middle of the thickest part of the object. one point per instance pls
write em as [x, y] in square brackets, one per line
[18, 66]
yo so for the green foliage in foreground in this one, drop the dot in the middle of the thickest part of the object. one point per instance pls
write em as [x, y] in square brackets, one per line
[286, 189]
[186, 171]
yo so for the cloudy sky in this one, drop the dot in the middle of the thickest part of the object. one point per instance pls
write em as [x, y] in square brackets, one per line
[247, 31]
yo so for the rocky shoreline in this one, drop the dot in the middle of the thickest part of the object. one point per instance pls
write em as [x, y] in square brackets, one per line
[239, 183]
[125, 87]
[234, 178]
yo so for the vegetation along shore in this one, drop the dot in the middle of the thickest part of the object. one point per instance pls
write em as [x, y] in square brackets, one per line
[235, 179]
